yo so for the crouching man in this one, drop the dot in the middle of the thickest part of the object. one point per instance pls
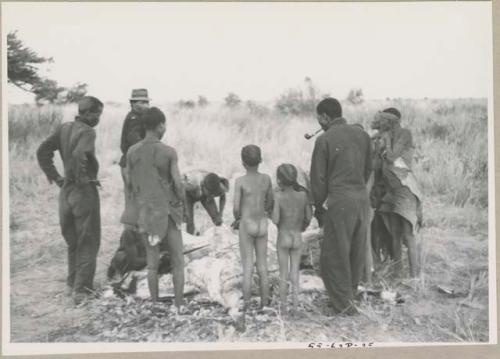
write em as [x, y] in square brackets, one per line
[157, 194]
[202, 186]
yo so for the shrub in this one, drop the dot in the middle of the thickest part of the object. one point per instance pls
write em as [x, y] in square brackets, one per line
[232, 100]
[355, 96]
[186, 104]
[257, 109]
[202, 101]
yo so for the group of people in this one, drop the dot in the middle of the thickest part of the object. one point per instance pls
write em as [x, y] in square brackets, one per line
[158, 199]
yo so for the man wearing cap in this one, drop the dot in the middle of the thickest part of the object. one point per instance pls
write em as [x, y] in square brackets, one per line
[203, 186]
[340, 168]
[79, 208]
[132, 132]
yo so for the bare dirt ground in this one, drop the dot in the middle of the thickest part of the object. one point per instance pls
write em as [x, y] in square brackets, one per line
[455, 256]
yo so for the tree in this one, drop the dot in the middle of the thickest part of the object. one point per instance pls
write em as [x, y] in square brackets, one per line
[232, 100]
[22, 71]
[47, 90]
[76, 93]
[21, 63]
[202, 101]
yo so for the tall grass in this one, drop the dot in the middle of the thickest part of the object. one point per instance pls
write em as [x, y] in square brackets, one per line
[450, 164]
[451, 159]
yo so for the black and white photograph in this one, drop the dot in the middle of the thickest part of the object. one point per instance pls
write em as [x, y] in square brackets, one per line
[212, 175]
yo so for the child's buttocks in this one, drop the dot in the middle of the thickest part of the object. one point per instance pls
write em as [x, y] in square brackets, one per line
[289, 239]
[254, 227]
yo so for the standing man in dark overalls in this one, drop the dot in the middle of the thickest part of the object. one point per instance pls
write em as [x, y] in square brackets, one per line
[79, 208]
[340, 168]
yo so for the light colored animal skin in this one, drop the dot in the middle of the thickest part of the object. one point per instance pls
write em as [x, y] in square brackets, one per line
[214, 271]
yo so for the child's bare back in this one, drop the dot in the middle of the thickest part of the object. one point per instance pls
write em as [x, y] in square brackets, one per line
[255, 200]
[291, 214]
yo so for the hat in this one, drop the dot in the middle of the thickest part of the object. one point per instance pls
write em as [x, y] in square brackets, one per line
[393, 111]
[140, 95]
[250, 155]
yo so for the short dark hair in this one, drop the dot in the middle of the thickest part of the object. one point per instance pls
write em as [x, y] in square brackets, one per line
[329, 106]
[393, 111]
[89, 104]
[251, 155]
[212, 182]
[152, 118]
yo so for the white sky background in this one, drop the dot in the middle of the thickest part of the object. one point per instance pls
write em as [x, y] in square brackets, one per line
[257, 50]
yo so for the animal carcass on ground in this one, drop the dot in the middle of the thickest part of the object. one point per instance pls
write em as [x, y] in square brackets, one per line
[214, 269]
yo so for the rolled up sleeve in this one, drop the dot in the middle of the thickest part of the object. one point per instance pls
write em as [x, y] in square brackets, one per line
[45, 156]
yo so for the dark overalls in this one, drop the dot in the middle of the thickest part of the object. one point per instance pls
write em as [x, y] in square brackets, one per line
[340, 168]
[79, 208]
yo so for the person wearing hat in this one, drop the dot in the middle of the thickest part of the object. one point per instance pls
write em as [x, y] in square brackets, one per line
[133, 128]
[203, 186]
[157, 195]
[340, 168]
[79, 208]
[132, 132]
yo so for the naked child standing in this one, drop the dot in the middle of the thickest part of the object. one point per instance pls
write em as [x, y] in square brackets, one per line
[253, 203]
[292, 214]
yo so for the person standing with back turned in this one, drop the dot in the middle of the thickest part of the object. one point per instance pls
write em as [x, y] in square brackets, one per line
[79, 208]
[157, 194]
[253, 204]
[340, 169]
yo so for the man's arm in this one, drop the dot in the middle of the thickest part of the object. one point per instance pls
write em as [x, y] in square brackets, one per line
[45, 157]
[319, 178]
[402, 144]
[176, 177]
[222, 204]
[368, 159]
[83, 149]
[307, 214]
[135, 131]
[319, 172]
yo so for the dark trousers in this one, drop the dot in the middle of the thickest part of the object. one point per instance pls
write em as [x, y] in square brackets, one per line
[80, 220]
[343, 248]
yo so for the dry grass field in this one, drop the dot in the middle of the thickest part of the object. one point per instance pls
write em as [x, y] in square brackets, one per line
[450, 163]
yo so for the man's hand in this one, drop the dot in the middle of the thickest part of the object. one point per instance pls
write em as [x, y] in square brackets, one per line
[153, 240]
[236, 224]
[59, 181]
[319, 213]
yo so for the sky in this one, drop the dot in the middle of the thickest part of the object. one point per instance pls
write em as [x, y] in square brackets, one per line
[258, 50]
